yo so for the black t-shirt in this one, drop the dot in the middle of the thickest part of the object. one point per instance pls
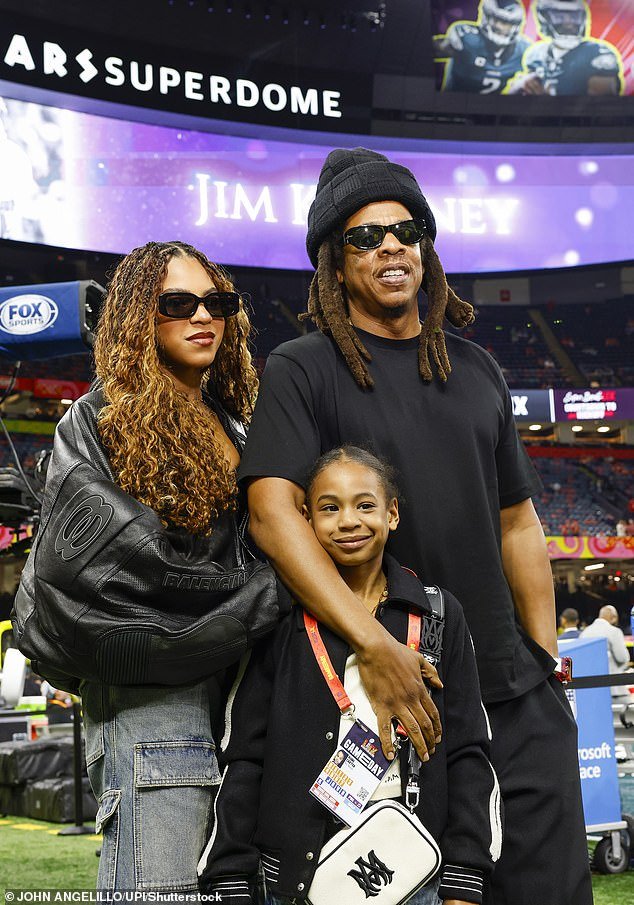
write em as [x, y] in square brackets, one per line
[458, 460]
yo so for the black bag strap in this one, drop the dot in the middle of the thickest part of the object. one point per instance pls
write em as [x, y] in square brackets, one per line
[433, 625]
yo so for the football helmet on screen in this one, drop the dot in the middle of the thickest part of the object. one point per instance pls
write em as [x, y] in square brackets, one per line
[501, 20]
[564, 21]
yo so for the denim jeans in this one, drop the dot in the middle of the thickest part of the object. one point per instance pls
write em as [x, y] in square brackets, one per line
[428, 895]
[152, 765]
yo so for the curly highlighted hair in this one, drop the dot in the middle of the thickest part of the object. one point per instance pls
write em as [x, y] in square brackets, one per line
[328, 308]
[161, 451]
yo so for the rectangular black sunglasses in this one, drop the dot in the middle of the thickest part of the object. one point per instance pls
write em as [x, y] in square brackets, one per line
[185, 304]
[409, 232]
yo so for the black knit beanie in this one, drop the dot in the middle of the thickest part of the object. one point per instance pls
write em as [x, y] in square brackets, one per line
[352, 178]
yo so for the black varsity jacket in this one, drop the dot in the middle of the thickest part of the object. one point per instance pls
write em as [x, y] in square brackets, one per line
[282, 726]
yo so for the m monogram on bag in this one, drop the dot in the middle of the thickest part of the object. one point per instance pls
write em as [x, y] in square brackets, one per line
[371, 874]
[431, 637]
[433, 624]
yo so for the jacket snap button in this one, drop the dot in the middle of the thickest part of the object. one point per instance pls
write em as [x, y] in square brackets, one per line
[309, 856]
[330, 735]
[300, 887]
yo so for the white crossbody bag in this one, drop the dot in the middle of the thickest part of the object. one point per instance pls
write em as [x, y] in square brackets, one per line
[387, 856]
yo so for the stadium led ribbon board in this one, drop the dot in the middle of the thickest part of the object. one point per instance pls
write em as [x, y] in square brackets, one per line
[54, 57]
[110, 185]
[562, 405]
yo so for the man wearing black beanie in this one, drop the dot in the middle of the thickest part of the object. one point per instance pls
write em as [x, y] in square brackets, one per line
[437, 408]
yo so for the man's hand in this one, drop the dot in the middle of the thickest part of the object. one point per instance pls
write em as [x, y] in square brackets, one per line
[526, 84]
[392, 675]
[449, 44]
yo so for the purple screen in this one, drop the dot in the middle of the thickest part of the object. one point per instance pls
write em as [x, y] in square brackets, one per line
[82, 181]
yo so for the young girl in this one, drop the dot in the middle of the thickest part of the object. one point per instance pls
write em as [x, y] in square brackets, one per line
[283, 725]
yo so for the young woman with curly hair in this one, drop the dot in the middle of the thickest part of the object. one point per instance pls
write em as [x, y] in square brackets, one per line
[153, 368]
[175, 388]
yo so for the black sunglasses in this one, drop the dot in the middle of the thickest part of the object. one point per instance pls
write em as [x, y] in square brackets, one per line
[409, 232]
[185, 304]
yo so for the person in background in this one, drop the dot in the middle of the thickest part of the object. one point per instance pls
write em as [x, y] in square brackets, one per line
[568, 624]
[59, 707]
[482, 56]
[606, 625]
[567, 60]
[377, 373]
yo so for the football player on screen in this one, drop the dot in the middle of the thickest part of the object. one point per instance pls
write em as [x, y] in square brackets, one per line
[482, 56]
[568, 60]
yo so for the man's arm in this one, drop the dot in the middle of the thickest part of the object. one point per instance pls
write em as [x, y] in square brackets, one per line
[451, 43]
[619, 648]
[391, 672]
[443, 47]
[527, 569]
[603, 84]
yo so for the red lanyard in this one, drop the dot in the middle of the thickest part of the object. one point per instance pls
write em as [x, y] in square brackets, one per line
[323, 659]
[413, 630]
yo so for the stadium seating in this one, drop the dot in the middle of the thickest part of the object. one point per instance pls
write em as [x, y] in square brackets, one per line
[516, 342]
[598, 338]
[27, 447]
[573, 500]
[68, 367]
[580, 496]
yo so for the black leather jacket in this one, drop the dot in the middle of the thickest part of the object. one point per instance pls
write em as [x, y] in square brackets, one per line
[109, 594]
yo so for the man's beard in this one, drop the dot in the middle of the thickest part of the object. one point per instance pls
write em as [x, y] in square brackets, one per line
[396, 311]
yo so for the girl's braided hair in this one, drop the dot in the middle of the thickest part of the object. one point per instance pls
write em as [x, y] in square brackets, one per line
[328, 309]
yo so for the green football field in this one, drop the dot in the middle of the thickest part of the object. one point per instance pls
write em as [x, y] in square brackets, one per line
[33, 856]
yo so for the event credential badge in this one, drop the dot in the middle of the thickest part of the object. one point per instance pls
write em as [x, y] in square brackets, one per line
[352, 774]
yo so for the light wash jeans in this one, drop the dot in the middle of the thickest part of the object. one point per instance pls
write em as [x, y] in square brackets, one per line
[428, 895]
[152, 765]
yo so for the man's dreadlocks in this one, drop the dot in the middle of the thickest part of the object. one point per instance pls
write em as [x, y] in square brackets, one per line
[327, 308]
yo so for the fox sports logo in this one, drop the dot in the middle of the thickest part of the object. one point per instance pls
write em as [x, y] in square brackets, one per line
[26, 314]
